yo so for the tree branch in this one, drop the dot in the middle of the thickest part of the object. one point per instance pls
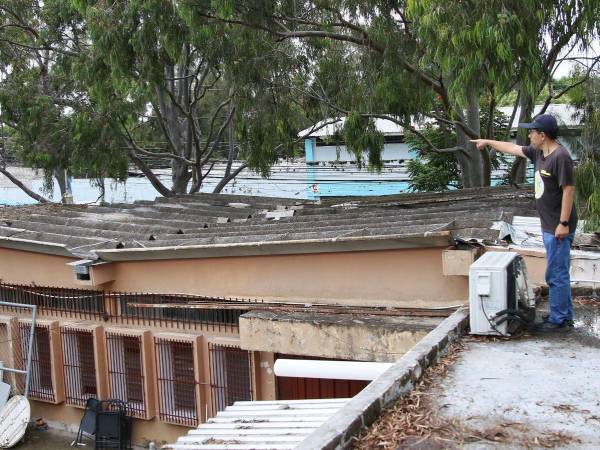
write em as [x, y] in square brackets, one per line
[134, 147]
[23, 187]
[156, 183]
[568, 88]
[226, 179]
[199, 155]
[217, 139]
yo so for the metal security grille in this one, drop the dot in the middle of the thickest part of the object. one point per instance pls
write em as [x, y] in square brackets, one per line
[79, 303]
[125, 372]
[230, 375]
[79, 365]
[40, 382]
[182, 311]
[177, 384]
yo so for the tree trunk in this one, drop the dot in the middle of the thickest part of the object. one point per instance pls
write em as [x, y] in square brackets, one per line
[227, 178]
[472, 167]
[61, 179]
[154, 181]
[517, 170]
[463, 160]
[181, 175]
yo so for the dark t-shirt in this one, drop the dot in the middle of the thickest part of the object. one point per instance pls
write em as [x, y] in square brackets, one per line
[551, 174]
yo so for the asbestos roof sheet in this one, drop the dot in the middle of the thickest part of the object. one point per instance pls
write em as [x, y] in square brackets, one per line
[206, 224]
[260, 425]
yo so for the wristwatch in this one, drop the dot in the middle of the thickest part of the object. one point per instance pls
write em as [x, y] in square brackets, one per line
[564, 223]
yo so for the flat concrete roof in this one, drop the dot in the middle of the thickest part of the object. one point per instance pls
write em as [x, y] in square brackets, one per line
[394, 322]
[540, 387]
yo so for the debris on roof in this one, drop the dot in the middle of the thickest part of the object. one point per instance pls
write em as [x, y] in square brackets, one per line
[206, 224]
[277, 424]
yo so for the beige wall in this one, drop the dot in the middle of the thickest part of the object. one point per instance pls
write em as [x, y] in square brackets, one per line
[22, 267]
[68, 417]
[382, 339]
[411, 278]
[534, 260]
[406, 278]
[151, 428]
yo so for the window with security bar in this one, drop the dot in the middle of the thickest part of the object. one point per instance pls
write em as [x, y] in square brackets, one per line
[40, 376]
[79, 364]
[230, 375]
[177, 382]
[125, 372]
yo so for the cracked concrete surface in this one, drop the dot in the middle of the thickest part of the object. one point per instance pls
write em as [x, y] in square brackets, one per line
[541, 388]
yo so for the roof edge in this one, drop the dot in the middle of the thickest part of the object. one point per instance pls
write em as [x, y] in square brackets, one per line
[347, 244]
[28, 245]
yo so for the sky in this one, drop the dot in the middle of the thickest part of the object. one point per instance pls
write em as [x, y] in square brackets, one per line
[565, 67]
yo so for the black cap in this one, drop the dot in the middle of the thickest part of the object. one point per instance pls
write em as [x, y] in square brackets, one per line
[543, 122]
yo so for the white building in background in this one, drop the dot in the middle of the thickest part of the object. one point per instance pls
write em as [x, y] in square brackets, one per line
[321, 146]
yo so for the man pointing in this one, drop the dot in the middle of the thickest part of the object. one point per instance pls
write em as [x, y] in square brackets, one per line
[554, 193]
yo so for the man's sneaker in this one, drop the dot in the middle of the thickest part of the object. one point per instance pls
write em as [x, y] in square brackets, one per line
[568, 323]
[551, 326]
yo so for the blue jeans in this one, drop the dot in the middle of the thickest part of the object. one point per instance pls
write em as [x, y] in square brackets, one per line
[558, 259]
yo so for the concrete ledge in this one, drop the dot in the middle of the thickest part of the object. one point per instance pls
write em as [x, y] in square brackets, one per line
[394, 383]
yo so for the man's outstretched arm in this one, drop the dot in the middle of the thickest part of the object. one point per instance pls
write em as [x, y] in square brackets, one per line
[501, 146]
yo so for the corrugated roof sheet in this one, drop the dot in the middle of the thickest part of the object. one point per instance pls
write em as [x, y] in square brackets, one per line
[208, 221]
[260, 425]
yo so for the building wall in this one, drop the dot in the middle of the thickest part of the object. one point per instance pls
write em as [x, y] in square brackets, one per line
[149, 426]
[67, 418]
[404, 278]
[392, 151]
[22, 267]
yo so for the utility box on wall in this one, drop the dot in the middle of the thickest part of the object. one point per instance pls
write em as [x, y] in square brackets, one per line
[458, 262]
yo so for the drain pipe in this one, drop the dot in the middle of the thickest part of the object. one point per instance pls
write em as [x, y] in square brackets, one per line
[335, 370]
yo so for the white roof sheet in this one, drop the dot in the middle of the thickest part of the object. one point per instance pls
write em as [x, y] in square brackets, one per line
[260, 425]
[565, 116]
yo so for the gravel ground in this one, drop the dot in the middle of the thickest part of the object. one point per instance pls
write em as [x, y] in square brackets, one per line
[532, 392]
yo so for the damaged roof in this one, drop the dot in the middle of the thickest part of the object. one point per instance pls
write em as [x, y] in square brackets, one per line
[206, 225]
[260, 425]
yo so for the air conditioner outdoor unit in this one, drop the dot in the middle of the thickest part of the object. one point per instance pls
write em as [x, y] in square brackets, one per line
[501, 299]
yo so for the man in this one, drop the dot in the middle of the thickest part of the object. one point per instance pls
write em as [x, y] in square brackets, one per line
[554, 193]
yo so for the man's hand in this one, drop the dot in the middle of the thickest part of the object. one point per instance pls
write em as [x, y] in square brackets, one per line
[480, 143]
[501, 146]
[561, 231]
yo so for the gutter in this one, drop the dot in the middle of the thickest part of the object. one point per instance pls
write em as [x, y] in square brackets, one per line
[339, 244]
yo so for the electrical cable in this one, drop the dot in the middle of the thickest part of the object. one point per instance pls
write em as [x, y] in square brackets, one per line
[489, 321]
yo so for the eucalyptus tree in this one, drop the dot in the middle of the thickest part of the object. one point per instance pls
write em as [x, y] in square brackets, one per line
[416, 60]
[143, 72]
[185, 89]
[89, 87]
[47, 111]
[587, 147]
